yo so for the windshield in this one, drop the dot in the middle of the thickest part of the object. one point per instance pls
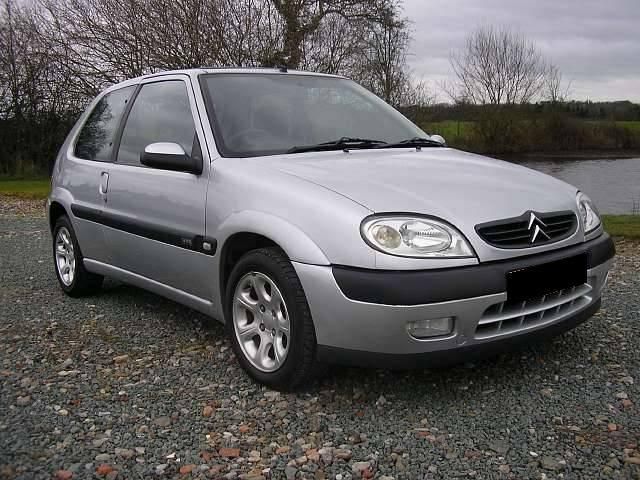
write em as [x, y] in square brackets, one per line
[266, 114]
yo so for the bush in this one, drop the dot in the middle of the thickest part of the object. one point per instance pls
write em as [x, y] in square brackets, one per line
[502, 130]
[499, 130]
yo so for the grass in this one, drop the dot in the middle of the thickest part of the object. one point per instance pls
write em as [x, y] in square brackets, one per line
[455, 129]
[462, 129]
[449, 129]
[36, 189]
[634, 126]
[627, 226]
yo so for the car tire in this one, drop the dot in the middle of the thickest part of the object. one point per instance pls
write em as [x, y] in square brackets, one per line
[73, 278]
[289, 361]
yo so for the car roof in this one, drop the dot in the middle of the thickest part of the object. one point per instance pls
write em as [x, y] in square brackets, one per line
[194, 72]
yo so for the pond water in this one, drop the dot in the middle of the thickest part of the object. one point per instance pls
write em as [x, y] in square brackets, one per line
[613, 185]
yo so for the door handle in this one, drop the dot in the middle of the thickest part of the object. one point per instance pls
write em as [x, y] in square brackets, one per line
[104, 183]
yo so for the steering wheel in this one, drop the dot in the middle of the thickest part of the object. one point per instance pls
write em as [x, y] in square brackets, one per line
[249, 137]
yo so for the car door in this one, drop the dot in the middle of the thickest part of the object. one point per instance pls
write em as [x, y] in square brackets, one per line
[86, 170]
[155, 217]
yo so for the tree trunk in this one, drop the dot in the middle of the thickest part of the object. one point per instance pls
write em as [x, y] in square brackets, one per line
[293, 38]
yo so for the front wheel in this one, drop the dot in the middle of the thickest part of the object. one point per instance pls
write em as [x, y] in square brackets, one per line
[268, 320]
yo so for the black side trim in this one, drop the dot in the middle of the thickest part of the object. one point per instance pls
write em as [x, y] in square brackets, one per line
[416, 287]
[445, 358]
[160, 233]
[87, 213]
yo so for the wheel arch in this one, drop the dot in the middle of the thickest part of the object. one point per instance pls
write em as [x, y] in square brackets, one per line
[234, 248]
[246, 231]
[59, 204]
[56, 210]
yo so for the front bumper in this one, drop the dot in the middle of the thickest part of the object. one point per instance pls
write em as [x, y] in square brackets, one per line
[361, 316]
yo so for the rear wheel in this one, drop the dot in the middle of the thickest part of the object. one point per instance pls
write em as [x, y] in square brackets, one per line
[268, 320]
[74, 279]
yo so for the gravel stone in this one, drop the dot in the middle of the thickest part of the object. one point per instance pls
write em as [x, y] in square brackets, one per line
[478, 420]
[162, 421]
[614, 463]
[112, 475]
[103, 470]
[499, 446]
[290, 472]
[342, 454]
[121, 359]
[124, 453]
[359, 467]
[550, 463]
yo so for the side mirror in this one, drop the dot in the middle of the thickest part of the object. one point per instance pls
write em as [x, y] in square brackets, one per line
[438, 138]
[170, 156]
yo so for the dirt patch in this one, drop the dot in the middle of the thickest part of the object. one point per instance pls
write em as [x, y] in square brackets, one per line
[22, 207]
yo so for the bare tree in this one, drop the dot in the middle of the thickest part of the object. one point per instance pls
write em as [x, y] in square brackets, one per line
[302, 18]
[555, 89]
[33, 99]
[335, 47]
[385, 58]
[104, 41]
[57, 54]
[383, 67]
[497, 66]
[10, 56]
[416, 93]
[216, 33]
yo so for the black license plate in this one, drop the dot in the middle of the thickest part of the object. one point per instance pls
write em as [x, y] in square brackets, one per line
[539, 280]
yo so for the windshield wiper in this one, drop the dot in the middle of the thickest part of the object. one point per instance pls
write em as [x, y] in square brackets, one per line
[413, 142]
[343, 143]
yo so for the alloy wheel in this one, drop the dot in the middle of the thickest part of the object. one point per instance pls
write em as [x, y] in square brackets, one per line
[261, 321]
[65, 256]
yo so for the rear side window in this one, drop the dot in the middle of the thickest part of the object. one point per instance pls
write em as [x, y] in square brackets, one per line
[160, 113]
[96, 138]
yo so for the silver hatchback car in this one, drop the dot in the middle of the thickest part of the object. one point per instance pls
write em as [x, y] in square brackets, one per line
[318, 223]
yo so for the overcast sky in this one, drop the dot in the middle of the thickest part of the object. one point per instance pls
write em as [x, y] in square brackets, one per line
[595, 43]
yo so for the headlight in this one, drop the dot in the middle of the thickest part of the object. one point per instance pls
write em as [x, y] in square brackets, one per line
[588, 213]
[415, 237]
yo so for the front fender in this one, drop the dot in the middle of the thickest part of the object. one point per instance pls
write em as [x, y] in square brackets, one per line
[296, 243]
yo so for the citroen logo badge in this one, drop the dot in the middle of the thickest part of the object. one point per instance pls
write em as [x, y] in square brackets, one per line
[536, 228]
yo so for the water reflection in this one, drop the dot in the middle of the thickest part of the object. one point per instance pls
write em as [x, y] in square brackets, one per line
[614, 185]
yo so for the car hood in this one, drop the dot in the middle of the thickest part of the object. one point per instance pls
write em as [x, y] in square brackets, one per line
[462, 188]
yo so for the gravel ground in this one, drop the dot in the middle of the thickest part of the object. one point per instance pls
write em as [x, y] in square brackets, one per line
[129, 385]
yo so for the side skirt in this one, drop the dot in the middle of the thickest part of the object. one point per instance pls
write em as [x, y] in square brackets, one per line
[179, 296]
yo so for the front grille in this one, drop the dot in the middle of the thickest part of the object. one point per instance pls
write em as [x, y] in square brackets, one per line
[513, 316]
[527, 231]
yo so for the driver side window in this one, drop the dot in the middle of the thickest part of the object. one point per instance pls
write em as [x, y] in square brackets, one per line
[160, 113]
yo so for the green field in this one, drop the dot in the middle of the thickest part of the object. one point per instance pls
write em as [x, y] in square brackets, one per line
[627, 226]
[635, 126]
[25, 188]
[449, 129]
